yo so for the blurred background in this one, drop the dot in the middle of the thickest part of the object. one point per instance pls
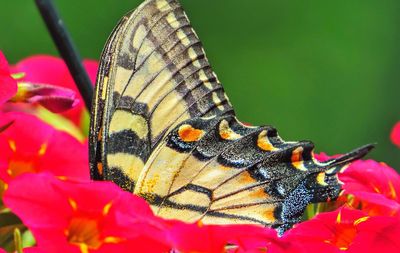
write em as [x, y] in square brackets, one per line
[326, 71]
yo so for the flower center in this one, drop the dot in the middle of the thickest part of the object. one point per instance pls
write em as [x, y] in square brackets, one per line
[344, 236]
[18, 167]
[84, 232]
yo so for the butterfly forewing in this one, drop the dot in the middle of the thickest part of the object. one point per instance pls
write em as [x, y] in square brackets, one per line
[154, 75]
[163, 128]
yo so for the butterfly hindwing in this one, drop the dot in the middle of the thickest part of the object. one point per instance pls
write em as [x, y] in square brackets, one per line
[220, 171]
[163, 128]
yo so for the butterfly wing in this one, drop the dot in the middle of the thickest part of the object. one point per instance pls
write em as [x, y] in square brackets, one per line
[163, 128]
[232, 173]
[153, 75]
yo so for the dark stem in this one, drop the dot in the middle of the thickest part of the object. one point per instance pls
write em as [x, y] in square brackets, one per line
[67, 49]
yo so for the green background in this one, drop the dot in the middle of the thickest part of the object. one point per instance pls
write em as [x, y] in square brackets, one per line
[326, 71]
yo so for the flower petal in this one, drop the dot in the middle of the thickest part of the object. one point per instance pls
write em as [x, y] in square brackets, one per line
[30, 145]
[51, 207]
[376, 184]
[327, 232]
[8, 86]
[377, 234]
[347, 230]
[395, 134]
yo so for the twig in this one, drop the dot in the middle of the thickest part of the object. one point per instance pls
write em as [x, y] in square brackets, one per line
[66, 48]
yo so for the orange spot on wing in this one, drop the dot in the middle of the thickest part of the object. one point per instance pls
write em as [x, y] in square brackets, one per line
[226, 132]
[245, 178]
[269, 215]
[263, 142]
[297, 159]
[259, 194]
[189, 134]
[225, 135]
[265, 145]
[100, 168]
[296, 155]
[100, 134]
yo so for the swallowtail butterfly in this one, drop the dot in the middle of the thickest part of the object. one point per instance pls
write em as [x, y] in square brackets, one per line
[163, 128]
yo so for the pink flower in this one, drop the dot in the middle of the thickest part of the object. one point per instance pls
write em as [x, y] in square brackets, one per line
[84, 217]
[375, 185]
[8, 86]
[215, 238]
[100, 217]
[52, 70]
[347, 230]
[395, 135]
[30, 145]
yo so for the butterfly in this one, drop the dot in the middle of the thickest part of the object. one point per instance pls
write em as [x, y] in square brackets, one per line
[163, 128]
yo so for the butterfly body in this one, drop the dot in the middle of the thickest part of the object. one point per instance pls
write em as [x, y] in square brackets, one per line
[162, 127]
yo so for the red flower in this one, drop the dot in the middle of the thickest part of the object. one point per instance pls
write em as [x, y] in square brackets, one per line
[347, 230]
[100, 217]
[375, 185]
[215, 238]
[30, 145]
[395, 135]
[8, 86]
[84, 217]
[52, 70]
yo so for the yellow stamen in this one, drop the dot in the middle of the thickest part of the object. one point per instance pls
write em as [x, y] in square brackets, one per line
[393, 193]
[12, 145]
[360, 220]
[42, 149]
[18, 75]
[106, 208]
[83, 248]
[73, 204]
[339, 217]
[112, 239]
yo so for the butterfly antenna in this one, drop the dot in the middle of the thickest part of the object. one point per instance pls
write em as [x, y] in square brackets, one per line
[66, 48]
